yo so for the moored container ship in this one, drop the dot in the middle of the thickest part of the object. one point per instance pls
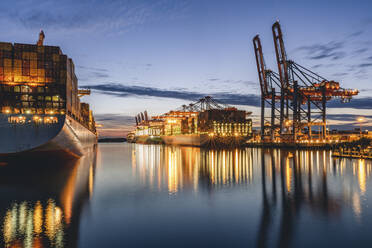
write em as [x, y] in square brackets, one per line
[204, 123]
[40, 108]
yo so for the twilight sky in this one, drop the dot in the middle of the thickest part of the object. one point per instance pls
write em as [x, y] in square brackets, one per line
[156, 55]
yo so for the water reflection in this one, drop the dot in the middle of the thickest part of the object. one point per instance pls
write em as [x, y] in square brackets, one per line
[24, 224]
[153, 195]
[310, 181]
[42, 202]
[178, 167]
[293, 183]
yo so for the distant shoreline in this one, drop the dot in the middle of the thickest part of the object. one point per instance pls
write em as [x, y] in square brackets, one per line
[112, 140]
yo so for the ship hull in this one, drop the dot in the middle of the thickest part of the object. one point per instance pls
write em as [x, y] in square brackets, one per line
[66, 137]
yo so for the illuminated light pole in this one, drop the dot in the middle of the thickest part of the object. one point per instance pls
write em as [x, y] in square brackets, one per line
[360, 120]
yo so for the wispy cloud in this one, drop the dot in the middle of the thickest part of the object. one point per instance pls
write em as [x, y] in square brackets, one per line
[96, 15]
[356, 34]
[365, 90]
[92, 68]
[360, 51]
[347, 117]
[348, 121]
[332, 50]
[340, 74]
[120, 90]
[357, 103]
[363, 65]
[92, 73]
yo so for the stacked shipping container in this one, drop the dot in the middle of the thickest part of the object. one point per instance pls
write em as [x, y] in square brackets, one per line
[39, 80]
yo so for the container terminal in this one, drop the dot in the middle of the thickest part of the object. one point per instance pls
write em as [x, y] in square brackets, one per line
[293, 111]
[40, 108]
[296, 99]
[203, 123]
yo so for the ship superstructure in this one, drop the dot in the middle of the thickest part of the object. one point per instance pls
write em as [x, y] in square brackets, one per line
[40, 101]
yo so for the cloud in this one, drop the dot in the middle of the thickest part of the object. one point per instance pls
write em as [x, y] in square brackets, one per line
[92, 73]
[92, 68]
[100, 75]
[120, 90]
[357, 103]
[355, 34]
[93, 15]
[348, 121]
[340, 74]
[317, 66]
[365, 90]
[363, 65]
[360, 51]
[330, 50]
[360, 69]
[346, 117]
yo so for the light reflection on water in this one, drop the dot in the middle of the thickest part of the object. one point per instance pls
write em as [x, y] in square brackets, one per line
[176, 168]
[292, 184]
[41, 201]
[26, 222]
[163, 196]
[179, 167]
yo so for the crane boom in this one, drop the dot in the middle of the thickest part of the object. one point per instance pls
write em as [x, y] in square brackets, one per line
[260, 65]
[281, 56]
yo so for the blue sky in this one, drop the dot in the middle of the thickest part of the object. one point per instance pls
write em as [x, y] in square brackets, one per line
[156, 55]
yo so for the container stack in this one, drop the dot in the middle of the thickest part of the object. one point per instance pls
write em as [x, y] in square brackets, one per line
[38, 82]
[32, 79]
[6, 70]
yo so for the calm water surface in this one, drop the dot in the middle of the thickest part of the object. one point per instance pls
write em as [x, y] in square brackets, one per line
[130, 195]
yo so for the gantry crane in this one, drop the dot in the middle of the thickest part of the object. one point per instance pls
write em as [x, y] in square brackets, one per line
[270, 95]
[298, 95]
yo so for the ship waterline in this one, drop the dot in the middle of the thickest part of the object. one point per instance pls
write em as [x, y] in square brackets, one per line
[65, 135]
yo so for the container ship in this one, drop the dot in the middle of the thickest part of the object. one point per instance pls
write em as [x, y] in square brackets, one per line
[40, 108]
[205, 123]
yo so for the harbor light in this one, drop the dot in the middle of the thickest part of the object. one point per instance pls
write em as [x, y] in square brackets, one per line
[360, 120]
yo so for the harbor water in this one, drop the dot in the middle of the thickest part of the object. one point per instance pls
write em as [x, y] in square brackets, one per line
[134, 195]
